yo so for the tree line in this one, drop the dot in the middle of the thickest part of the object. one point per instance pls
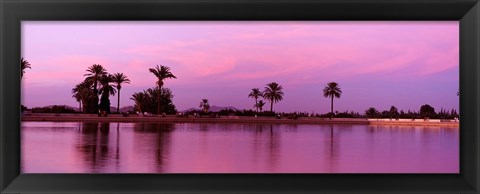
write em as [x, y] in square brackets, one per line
[425, 112]
[157, 99]
[273, 93]
[94, 91]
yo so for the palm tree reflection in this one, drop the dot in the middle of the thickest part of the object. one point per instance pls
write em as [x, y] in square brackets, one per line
[95, 149]
[332, 150]
[160, 142]
[257, 142]
[117, 148]
[94, 145]
[273, 148]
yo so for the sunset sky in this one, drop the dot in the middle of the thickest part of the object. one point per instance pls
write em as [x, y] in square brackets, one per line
[377, 64]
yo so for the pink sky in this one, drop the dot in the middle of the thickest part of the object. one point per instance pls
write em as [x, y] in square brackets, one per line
[377, 64]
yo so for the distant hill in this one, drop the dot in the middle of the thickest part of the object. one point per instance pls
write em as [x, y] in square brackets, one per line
[190, 109]
[122, 109]
[212, 108]
[219, 108]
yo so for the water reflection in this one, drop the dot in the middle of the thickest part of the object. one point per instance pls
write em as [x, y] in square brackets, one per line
[273, 148]
[93, 145]
[332, 149]
[157, 136]
[244, 148]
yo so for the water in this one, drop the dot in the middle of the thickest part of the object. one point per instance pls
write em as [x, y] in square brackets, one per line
[75, 147]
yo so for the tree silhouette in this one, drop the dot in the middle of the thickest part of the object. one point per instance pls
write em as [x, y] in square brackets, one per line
[140, 100]
[205, 105]
[107, 89]
[83, 94]
[95, 72]
[255, 93]
[24, 65]
[119, 79]
[273, 93]
[162, 73]
[393, 112]
[260, 105]
[427, 111]
[371, 112]
[331, 90]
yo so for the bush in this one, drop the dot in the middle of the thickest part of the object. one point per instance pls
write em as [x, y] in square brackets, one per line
[23, 108]
[53, 109]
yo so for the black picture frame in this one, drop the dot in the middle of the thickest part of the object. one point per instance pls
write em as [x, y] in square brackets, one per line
[12, 12]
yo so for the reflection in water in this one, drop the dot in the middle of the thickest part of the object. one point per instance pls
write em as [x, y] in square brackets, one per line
[117, 148]
[51, 147]
[273, 147]
[332, 150]
[93, 145]
[157, 136]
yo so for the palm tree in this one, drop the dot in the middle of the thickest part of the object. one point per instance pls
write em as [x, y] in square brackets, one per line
[161, 72]
[94, 73]
[371, 112]
[24, 65]
[260, 105]
[119, 79]
[107, 89]
[273, 92]
[393, 111]
[151, 100]
[107, 85]
[82, 93]
[331, 90]
[78, 96]
[139, 99]
[204, 104]
[255, 94]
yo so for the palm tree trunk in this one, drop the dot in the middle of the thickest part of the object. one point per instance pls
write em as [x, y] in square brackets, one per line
[271, 106]
[118, 102]
[83, 107]
[256, 104]
[117, 153]
[158, 104]
[158, 99]
[95, 93]
[332, 106]
[331, 134]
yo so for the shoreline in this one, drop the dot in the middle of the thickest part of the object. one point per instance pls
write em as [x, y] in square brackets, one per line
[231, 119]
